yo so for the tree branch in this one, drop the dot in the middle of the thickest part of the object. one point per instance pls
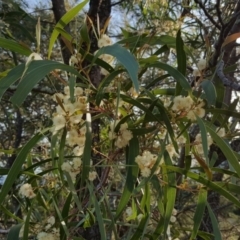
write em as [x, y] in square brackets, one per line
[219, 13]
[119, 2]
[58, 11]
[201, 5]
[224, 79]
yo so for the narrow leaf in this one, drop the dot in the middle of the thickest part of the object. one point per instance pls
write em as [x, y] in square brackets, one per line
[17, 166]
[105, 82]
[14, 46]
[87, 150]
[170, 191]
[67, 17]
[12, 76]
[226, 149]
[132, 174]
[36, 71]
[98, 212]
[125, 58]
[216, 231]
[202, 199]
[174, 73]
[204, 138]
[231, 38]
[181, 55]
[14, 232]
[210, 92]
[212, 185]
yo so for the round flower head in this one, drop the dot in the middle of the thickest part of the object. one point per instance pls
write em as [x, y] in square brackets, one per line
[27, 191]
[66, 166]
[78, 91]
[92, 175]
[77, 162]
[67, 90]
[221, 132]
[129, 211]
[59, 122]
[73, 60]
[202, 64]
[104, 40]
[145, 172]
[33, 56]
[196, 73]
[45, 236]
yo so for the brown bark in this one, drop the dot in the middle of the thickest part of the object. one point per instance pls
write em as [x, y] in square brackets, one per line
[59, 10]
[101, 9]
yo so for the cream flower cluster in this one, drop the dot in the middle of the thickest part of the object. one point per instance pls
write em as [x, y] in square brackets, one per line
[198, 143]
[27, 191]
[171, 151]
[68, 113]
[186, 107]
[201, 65]
[75, 59]
[146, 163]
[50, 223]
[221, 132]
[73, 168]
[43, 230]
[92, 175]
[53, 235]
[104, 41]
[123, 137]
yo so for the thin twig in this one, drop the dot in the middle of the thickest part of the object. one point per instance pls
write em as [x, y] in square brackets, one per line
[201, 5]
[114, 4]
[219, 13]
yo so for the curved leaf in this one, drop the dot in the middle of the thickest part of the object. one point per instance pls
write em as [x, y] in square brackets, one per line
[63, 22]
[14, 75]
[212, 185]
[225, 112]
[174, 73]
[210, 91]
[201, 204]
[226, 149]
[216, 230]
[170, 191]
[17, 166]
[132, 173]
[125, 58]
[35, 72]
[87, 150]
[14, 232]
[203, 132]
[104, 83]
[14, 46]
[181, 55]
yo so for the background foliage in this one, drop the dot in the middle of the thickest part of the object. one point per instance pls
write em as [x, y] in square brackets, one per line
[120, 132]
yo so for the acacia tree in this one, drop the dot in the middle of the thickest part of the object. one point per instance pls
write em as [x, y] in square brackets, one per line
[133, 142]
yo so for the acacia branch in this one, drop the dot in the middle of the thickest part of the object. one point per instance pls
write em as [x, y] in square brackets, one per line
[119, 2]
[201, 5]
[226, 82]
[231, 27]
[219, 13]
